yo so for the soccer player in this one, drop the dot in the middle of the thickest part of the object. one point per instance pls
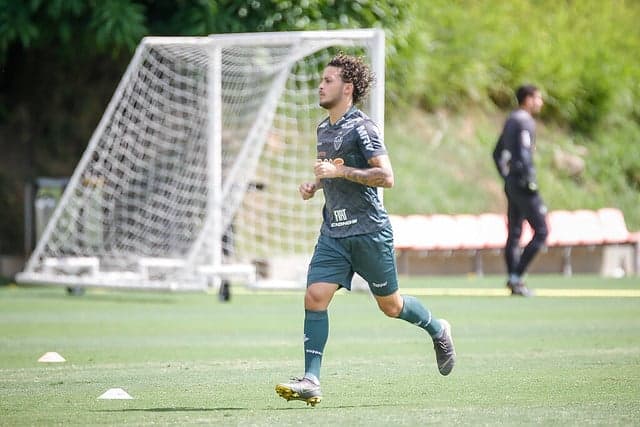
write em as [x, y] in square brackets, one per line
[356, 234]
[513, 157]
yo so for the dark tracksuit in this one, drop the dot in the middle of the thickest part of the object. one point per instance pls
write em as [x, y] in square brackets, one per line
[513, 157]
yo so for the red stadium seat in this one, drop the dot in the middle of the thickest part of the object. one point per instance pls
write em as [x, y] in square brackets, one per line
[470, 232]
[421, 236]
[493, 229]
[563, 230]
[401, 232]
[445, 233]
[489, 230]
[614, 226]
[589, 227]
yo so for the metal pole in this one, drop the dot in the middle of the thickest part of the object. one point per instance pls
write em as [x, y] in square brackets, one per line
[377, 52]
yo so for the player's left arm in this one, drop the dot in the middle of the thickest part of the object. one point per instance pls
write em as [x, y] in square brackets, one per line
[378, 174]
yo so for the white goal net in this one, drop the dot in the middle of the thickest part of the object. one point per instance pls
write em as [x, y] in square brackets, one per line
[191, 175]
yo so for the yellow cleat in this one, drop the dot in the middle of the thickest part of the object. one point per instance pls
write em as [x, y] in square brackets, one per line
[300, 389]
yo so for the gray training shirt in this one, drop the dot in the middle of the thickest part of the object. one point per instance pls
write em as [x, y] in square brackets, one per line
[350, 208]
[513, 154]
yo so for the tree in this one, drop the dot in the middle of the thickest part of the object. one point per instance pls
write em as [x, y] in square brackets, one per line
[113, 25]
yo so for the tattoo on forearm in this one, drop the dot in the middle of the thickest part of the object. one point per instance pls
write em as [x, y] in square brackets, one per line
[374, 177]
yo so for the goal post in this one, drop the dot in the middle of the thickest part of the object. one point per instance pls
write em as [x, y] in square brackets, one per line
[191, 175]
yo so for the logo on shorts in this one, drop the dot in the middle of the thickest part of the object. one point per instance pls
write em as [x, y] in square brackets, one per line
[378, 285]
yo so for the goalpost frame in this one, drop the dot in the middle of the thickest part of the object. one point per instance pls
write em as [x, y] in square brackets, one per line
[218, 42]
[215, 231]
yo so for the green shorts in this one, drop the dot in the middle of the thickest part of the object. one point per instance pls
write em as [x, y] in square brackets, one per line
[370, 255]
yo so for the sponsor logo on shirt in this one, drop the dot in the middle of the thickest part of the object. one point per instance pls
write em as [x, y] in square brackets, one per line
[343, 223]
[341, 218]
[364, 136]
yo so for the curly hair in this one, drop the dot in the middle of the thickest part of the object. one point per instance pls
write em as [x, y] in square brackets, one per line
[354, 70]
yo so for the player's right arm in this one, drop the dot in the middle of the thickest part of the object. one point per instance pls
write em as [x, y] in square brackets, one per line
[520, 145]
[501, 157]
[308, 189]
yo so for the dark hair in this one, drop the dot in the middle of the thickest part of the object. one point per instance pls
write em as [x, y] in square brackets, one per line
[524, 91]
[354, 70]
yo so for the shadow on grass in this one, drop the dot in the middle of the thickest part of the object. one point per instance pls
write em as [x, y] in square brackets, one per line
[290, 408]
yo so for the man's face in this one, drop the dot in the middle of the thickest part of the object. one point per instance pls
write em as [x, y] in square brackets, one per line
[331, 89]
[535, 102]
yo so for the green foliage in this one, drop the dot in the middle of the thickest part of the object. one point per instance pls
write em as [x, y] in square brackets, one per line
[581, 53]
[115, 25]
[66, 25]
[442, 164]
[459, 54]
[118, 24]
[278, 15]
[16, 23]
[454, 172]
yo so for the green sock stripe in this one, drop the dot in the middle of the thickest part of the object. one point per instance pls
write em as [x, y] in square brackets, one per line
[414, 312]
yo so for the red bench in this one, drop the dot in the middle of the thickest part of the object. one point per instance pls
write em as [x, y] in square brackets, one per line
[439, 234]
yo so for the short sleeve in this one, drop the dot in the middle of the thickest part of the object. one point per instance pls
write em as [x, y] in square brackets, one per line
[370, 140]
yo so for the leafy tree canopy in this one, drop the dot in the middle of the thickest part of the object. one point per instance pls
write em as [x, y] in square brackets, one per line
[114, 25]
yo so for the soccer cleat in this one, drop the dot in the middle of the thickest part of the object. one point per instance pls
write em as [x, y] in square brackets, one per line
[519, 289]
[300, 389]
[445, 351]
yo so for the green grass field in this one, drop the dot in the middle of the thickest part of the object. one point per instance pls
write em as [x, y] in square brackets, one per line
[570, 356]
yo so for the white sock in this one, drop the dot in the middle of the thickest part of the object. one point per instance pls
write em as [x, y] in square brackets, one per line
[312, 378]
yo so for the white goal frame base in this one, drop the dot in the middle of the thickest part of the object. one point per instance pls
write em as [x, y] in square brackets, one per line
[85, 272]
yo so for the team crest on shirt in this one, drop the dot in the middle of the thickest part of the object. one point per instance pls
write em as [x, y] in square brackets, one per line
[337, 142]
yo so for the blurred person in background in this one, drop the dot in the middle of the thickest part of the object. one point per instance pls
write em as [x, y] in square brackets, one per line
[513, 157]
